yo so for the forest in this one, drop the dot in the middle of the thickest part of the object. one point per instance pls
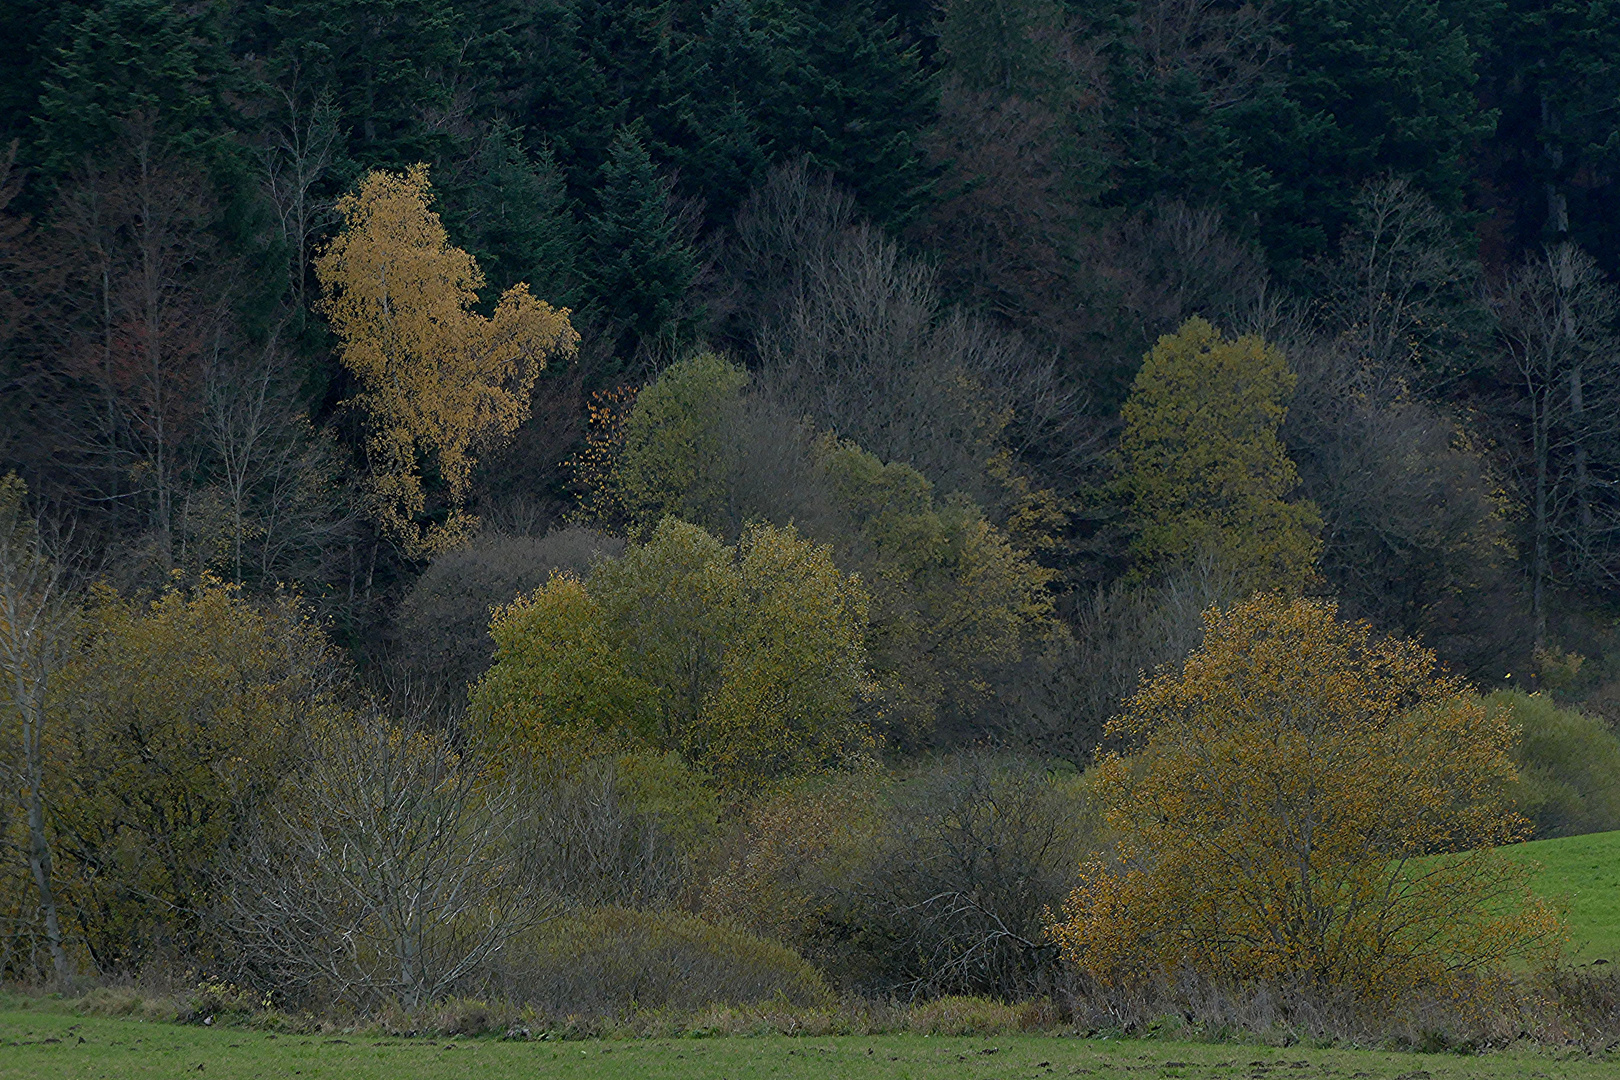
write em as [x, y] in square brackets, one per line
[600, 504]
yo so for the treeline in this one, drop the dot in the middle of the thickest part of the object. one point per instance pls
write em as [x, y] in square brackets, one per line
[720, 473]
[1372, 188]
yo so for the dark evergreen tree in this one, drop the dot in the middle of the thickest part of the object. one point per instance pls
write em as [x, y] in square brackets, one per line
[513, 214]
[1007, 46]
[641, 264]
[730, 64]
[388, 66]
[1379, 87]
[164, 62]
[1553, 169]
[853, 96]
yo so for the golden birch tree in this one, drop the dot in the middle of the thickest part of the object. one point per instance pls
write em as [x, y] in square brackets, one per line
[437, 380]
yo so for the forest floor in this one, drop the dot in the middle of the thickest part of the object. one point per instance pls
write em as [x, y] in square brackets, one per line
[41, 1039]
[1582, 875]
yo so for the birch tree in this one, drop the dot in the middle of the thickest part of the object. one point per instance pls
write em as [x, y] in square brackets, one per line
[1557, 315]
[437, 380]
[36, 631]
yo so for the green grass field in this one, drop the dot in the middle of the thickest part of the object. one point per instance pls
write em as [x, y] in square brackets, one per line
[48, 1040]
[1581, 873]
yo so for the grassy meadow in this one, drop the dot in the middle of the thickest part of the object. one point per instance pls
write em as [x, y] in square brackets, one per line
[1582, 874]
[40, 1040]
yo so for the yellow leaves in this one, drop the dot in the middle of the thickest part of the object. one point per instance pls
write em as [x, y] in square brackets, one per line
[174, 719]
[1205, 469]
[1306, 801]
[745, 660]
[436, 379]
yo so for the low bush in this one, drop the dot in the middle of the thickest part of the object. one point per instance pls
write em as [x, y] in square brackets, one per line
[444, 622]
[614, 960]
[1569, 766]
[931, 883]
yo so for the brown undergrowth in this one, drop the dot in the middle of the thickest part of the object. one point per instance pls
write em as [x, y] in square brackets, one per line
[1571, 1009]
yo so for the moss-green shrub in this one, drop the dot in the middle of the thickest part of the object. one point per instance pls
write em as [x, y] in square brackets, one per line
[610, 959]
[1569, 766]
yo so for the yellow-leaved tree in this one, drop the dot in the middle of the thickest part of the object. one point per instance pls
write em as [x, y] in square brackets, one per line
[1205, 471]
[437, 380]
[174, 721]
[1310, 804]
[747, 660]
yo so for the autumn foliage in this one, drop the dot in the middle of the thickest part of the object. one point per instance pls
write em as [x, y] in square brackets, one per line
[436, 379]
[1205, 470]
[1306, 803]
[745, 660]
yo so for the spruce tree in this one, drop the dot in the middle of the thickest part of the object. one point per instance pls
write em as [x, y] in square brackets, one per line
[512, 214]
[642, 265]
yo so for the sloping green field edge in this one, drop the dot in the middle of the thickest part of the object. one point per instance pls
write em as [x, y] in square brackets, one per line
[1582, 875]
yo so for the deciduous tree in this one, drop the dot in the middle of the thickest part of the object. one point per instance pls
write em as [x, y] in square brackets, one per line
[1557, 313]
[1307, 803]
[1205, 470]
[37, 618]
[174, 721]
[746, 660]
[437, 380]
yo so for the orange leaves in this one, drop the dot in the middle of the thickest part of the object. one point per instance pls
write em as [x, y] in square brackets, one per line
[436, 379]
[1309, 803]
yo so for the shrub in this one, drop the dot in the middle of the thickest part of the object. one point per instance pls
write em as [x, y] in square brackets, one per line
[1308, 805]
[1569, 766]
[936, 882]
[175, 723]
[443, 623]
[613, 959]
[619, 828]
[390, 868]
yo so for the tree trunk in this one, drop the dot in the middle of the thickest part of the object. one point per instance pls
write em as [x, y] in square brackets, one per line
[39, 846]
[1540, 405]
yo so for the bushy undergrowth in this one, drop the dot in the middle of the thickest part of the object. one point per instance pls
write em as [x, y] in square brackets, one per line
[1569, 766]
[1573, 1009]
[935, 882]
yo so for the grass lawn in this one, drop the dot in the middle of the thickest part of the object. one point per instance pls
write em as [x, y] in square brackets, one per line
[1583, 874]
[48, 1040]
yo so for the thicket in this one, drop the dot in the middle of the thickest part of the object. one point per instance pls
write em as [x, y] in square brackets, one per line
[696, 502]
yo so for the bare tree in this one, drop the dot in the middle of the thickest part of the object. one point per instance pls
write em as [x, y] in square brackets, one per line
[394, 868]
[132, 299]
[273, 471]
[1414, 537]
[866, 348]
[296, 155]
[1557, 314]
[1227, 50]
[1403, 293]
[1174, 261]
[36, 631]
